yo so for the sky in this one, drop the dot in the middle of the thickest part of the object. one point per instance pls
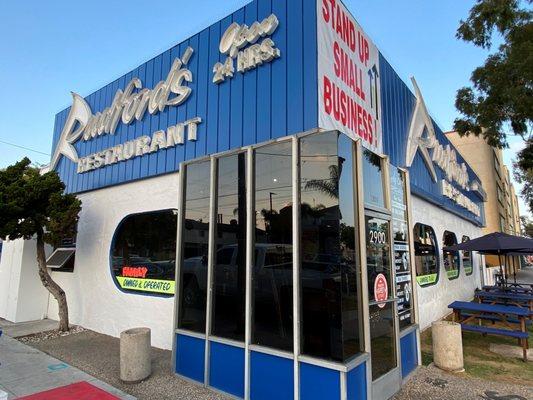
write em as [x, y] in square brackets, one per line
[49, 48]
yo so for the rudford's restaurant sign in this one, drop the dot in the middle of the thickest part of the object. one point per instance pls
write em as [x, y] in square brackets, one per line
[444, 157]
[239, 42]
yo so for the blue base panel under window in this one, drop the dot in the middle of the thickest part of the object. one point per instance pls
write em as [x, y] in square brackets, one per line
[226, 368]
[409, 351]
[356, 383]
[319, 383]
[190, 357]
[271, 377]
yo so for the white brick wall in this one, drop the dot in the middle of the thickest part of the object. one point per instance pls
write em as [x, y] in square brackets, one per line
[433, 300]
[94, 300]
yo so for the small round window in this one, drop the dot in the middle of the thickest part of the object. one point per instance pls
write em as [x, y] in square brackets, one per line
[467, 259]
[450, 258]
[426, 258]
[143, 253]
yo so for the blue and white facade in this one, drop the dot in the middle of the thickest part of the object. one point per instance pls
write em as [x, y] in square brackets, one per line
[274, 71]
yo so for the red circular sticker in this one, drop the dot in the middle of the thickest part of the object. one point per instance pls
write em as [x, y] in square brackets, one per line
[381, 290]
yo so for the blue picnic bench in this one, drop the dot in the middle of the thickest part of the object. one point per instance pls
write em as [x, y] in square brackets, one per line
[516, 299]
[467, 311]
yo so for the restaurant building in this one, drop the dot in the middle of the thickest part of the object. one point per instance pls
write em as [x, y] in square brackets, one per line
[271, 199]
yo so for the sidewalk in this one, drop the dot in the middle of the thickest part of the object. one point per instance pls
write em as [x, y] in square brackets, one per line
[25, 371]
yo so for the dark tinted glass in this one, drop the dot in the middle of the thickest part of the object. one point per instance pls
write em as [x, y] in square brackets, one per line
[400, 231]
[467, 258]
[450, 258]
[229, 273]
[330, 315]
[426, 261]
[272, 273]
[373, 179]
[380, 293]
[144, 253]
[195, 233]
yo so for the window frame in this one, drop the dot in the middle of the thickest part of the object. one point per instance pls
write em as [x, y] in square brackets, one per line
[456, 253]
[471, 256]
[436, 254]
[112, 246]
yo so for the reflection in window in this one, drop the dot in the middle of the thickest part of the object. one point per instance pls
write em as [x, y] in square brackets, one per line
[229, 266]
[272, 273]
[330, 316]
[373, 179]
[380, 294]
[195, 233]
[450, 258]
[143, 253]
[426, 261]
[467, 258]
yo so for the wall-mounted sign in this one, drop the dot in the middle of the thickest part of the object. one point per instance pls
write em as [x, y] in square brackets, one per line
[458, 198]
[128, 106]
[443, 157]
[348, 76]
[381, 290]
[239, 42]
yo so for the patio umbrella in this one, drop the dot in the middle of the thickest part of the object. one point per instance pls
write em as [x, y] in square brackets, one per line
[496, 243]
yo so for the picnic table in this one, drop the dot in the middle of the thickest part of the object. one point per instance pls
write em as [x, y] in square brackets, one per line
[465, 312]
[506, 297]
[512, 289]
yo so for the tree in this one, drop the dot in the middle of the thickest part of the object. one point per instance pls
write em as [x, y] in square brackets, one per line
[527, 226]
[34, 205]
[500, 100]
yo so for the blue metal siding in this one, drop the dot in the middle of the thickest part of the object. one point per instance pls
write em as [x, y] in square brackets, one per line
[398, 103]
[317, 383]
[226, 368]
[276, 99]
[190, 357]
[271, 377]
[409, 352]
[356, 383]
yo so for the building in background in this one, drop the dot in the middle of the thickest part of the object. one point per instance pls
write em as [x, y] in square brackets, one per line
[502, 212]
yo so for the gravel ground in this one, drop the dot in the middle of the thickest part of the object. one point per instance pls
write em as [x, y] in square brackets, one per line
[431, 383]
[98, 355]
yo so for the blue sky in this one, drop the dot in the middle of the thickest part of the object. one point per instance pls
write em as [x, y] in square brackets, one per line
[49, 48]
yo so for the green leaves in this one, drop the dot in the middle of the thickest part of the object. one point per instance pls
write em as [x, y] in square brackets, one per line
[32, 203]
[500, 100]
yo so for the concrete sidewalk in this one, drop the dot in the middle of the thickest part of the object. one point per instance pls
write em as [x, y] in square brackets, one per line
[25, 370]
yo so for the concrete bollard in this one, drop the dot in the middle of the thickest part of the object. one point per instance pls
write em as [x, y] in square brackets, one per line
[135, 355]
[447, 346]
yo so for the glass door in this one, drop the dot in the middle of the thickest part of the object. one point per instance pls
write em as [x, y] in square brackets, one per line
[382, 306]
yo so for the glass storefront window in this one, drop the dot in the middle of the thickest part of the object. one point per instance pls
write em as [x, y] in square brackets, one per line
[380, 296]
[195, 233]
[402, 261]
[426, 259]
[467, 258]
[373, 174]
[143, 253]
[272, 317]
[330, 325]
[229, 265]
[450, 258]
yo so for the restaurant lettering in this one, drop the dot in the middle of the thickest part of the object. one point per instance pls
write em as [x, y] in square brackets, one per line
[128, 105]
[240, 42]
[348, 73]
[147, 285]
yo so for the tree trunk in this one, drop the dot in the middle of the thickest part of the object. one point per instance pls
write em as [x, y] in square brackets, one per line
[51, 285]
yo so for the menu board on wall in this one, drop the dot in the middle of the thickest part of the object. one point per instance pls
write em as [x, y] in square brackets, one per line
[400, 230]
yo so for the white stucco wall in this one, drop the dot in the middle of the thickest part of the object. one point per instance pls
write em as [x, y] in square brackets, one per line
[22, 295]
[94, 300]
[433, 300]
